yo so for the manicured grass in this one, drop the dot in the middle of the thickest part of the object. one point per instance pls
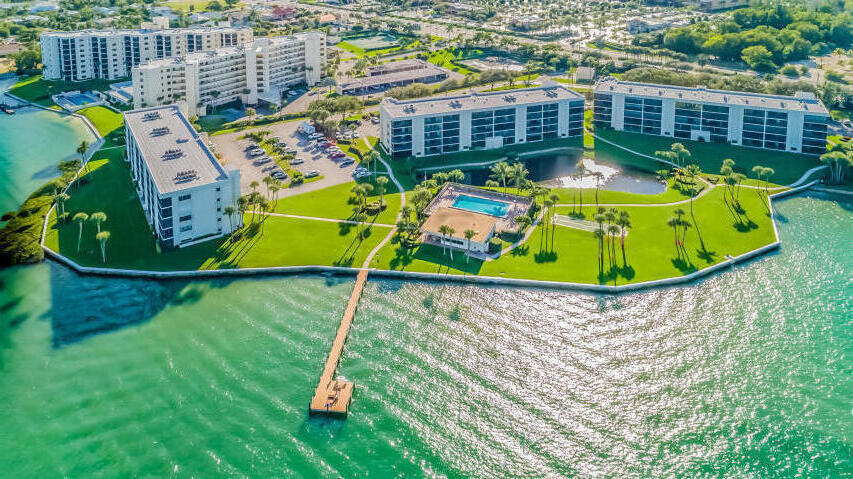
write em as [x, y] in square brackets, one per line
[39, 91]
[650, 249]
[446, 58]
[789, 166]
[104, 119]
[280, 242]
[333, 202]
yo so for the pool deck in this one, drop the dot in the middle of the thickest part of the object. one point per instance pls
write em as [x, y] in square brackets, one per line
[451, 192]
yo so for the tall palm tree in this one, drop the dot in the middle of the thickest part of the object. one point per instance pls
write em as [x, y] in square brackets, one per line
[673, 223]
[444, 230]
[612, 232]
[555, 199]
[380, 187]
[519, 174]
[229, 212]
[81, 150]
[624, 223]
[598, 176]
[61, 199]
[98, 218]
[102, 238]
[80, 218]
[581, 171]
[469, 233]
[546, 216]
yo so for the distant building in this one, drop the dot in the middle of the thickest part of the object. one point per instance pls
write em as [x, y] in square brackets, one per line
[449, 124]
[112, 54]
[786, 123]
[182, 187]
[585, 74]
[642, 25]
[248, 72]
[527, 22]
[389, 75]
[712, 5]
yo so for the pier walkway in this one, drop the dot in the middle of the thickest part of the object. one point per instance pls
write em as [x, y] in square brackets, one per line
[333, 396]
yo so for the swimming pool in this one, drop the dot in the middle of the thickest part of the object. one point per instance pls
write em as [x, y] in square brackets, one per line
[481, 205]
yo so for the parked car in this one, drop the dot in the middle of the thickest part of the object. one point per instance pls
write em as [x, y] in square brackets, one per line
[254, 153]
[279, 175]
[262, 161]
[374, 120]
[251, 146]
[312, 174]
[338, 155]
[297, 161]
[847, 124]
[346, 163]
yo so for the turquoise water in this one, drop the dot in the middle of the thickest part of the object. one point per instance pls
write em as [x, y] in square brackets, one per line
[481, 205]
[32, 143]
[746, 374]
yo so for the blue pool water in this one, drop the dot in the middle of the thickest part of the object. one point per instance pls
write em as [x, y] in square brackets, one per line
[80, 99]
[481, 205]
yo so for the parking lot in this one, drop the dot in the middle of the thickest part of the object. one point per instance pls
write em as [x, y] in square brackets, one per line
[233, 150]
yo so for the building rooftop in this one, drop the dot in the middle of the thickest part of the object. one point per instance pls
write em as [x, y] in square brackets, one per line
[476, 101]
[195, 57]
[409, 64]
[801, 101]
[428, 70]
[124, 31]
[460, 220]
[175, 155]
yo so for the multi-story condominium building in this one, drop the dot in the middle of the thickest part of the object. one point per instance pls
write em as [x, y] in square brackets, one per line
[449, 124]
[260, 69]
[787, 123]
[182, 187]
[111, 54]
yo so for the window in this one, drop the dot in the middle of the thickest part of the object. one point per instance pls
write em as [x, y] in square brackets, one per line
[184, 197]
[186, 228]
[186, 218]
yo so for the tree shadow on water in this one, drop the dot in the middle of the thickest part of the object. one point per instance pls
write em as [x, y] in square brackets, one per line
[84, 306]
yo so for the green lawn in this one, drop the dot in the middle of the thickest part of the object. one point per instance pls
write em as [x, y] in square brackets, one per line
[104, 119]
[789, 166]
[333, 202]
[281, 241]
[651, 253]
[39, 91]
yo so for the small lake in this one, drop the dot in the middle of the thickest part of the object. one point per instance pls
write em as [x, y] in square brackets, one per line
[559, 170]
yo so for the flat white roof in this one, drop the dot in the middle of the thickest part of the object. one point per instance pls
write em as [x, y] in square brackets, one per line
[175, 155]
[477, 101]
[127, 31]
[802, 101]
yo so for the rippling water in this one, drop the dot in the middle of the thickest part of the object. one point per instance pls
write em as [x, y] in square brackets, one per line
[747, 373]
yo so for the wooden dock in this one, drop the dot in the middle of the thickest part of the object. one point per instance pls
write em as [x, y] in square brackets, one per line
[332, 397]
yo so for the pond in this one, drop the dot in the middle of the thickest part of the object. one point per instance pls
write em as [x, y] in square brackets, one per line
[559, 170]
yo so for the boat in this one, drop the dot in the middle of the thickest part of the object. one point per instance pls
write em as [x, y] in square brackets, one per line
[7, 109]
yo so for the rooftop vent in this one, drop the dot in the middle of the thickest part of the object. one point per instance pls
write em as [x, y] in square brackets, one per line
[185, 176]
[509, 98]
[551, 93]
[172, 154]
[455, 104]
[163, 130]
[409, 108]
[154, 115]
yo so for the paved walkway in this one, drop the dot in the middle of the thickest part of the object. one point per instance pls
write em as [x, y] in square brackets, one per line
[318, 218]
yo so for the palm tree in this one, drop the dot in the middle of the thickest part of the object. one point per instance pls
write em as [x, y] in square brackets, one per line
[103, 237]
[581, 171]
[836, 161]
[254, 185]
[612, 232]
[80, 218]
[380, 187]
[598, 176]
[673, 223]
[500, 172]
[547, 204]
[229, 212]
[624, 223]
[81, 150]
[523, 221]
[98, 218]
[519, 174]
[61, 199]
[555, 199]
[469, 233]
[444, 230]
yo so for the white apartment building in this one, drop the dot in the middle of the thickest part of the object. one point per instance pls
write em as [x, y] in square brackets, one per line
[258, 70]
[450, 124]
[182, 187]
[786, 123]
[112, 54]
